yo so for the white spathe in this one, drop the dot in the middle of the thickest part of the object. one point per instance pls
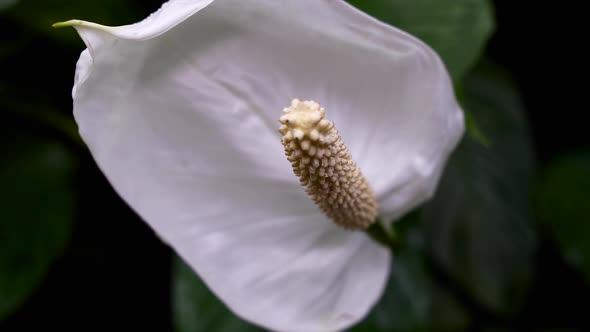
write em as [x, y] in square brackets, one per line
[180, 111]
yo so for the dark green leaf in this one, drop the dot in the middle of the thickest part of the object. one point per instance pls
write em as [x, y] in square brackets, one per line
[196, 309]
[7, 3]
[563, 206]
[456, 29]
[479, 225]
[36, 214]
[475, 131]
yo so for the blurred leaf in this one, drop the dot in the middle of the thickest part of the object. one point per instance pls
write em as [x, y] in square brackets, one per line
[456, 29]
[479, 225]
[9, 47]
[196, 309]
[563, 206]
[7, 3]
[39, 15]
[12, 40]
[36, 214]
[471, 126]
[413, 301]
[44, 115]
[474, 130]
[447, 314]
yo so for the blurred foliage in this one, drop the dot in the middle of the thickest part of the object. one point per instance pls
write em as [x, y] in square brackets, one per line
[7, 3]
[479, 226]
[456, 29]
[474, 130]
[37, 163]
[563, 206]
[37, 212]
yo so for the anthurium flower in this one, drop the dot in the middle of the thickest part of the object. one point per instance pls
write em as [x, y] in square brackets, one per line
[181, 112]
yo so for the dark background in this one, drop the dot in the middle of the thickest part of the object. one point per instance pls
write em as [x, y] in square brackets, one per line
[115, 272]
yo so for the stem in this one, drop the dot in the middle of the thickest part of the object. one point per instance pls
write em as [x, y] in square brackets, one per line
[385, 235]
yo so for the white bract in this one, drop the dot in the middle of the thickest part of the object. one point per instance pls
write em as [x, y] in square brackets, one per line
[180, 112]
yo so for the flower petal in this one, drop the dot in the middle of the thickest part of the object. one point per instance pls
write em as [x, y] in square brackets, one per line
[183, 125]
[408, 140]
[188, 138]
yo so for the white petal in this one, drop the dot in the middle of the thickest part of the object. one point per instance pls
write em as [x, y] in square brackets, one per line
[184, 127]
[410, 134]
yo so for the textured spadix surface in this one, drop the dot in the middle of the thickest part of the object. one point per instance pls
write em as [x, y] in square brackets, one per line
[325, 167]
[179, 112]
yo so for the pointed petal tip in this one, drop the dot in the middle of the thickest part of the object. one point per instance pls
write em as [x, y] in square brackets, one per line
[68, 23]
[80, 23]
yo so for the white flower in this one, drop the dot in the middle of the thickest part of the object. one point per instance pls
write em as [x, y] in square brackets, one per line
[180, 113]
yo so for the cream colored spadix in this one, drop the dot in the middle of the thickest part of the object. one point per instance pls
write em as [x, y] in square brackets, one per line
[325, 167]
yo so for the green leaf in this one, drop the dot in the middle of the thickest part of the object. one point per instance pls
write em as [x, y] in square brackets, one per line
[197, 309]
[413, 300]
[457, 29]
[473, 129]
[562, 206]
[36, 214]
[7, 3]
[479, 226]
